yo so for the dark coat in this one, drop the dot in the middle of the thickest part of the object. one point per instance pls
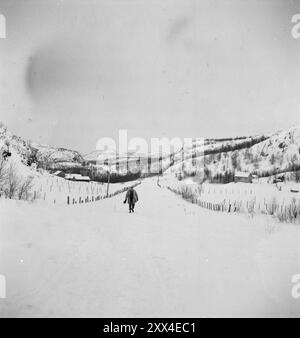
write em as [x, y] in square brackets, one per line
[135, 197]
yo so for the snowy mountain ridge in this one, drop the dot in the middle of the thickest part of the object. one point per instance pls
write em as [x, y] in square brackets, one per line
[262, 154]
[33, 152]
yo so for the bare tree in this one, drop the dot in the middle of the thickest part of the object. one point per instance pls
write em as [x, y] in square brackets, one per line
[3, 173]
[46, 160]
[3, 168]
[25, 187]
[13, 181]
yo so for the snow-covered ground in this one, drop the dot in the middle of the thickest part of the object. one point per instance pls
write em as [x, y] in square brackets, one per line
[169, 258]
[243, 191]
[260, 197]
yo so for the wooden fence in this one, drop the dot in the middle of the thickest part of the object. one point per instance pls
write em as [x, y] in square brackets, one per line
[92, 198]
[283, 212]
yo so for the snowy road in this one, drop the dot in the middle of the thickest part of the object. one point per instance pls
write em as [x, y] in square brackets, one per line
[170, 258]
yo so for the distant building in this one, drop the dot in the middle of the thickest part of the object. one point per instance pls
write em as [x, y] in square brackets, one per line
[59, 173]
[278, 179]
[242, 176]
[77, 177]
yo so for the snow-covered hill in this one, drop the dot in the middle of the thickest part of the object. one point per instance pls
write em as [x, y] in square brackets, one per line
[260, 155]
[51, 158]
[14, 144]
[263, 155]
[40, 155]
[19, 153]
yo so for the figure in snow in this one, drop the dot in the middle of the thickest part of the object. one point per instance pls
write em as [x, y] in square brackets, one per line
[131, 198]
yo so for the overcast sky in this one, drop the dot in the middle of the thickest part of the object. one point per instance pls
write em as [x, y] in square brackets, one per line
[74, 71]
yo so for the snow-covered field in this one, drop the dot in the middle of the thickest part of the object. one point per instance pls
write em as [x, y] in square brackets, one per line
[53, 189]
[170, 258]
[260, 197]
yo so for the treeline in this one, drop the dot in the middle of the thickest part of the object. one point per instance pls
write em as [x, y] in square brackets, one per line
[208, 176]
[224, 148]
[223, 178]
[227, 139]
[117, 178]
[101, 176]
[293, 168]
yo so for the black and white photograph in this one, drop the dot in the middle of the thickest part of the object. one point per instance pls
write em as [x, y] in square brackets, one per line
[149, 160]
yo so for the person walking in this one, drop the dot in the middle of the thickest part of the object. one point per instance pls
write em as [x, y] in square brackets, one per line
[131, 198]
